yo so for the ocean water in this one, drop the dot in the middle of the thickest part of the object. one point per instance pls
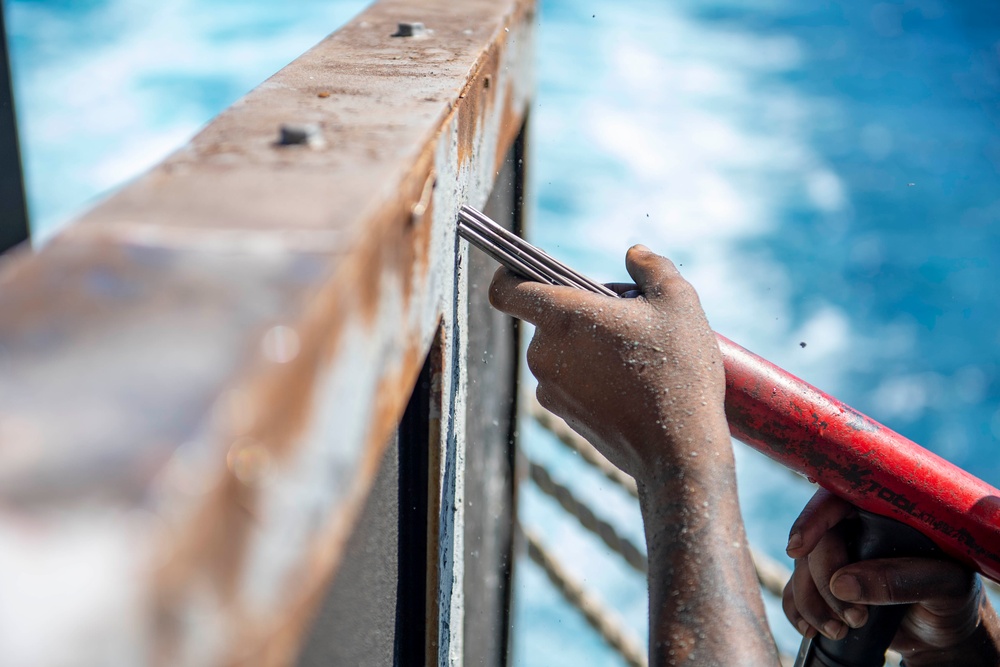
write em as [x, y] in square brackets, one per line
[828, 176]
[105, 89]
[825, 173]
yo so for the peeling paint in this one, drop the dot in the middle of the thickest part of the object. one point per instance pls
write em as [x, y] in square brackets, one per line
[201, 375]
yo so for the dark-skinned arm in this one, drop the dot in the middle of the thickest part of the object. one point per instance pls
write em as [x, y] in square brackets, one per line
[642, 379]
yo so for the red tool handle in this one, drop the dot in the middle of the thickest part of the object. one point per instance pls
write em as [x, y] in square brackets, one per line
[861, 460]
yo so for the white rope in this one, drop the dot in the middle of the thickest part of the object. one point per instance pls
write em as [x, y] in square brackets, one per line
[601, 619]
[618, 544]
[772, 574]
[579, 444]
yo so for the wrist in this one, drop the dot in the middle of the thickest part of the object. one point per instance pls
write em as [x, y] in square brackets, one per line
[689, 498]
[697, 449]
[981, 647]
[700, 570]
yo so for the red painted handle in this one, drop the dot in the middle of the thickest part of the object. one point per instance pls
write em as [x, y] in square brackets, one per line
[861, 460]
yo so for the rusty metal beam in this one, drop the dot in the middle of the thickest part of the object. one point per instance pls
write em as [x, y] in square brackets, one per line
[199, 376]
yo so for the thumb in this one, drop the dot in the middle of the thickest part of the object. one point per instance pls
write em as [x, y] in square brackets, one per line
[929, 581]
[650, 271]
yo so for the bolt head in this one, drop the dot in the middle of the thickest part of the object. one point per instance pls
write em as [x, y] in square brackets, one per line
[307, 134]
[410, 29]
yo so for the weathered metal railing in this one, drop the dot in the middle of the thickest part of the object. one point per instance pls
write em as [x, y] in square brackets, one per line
[236, 397]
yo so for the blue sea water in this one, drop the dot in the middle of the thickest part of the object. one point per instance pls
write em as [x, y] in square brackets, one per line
[826, 173]
[107, 88]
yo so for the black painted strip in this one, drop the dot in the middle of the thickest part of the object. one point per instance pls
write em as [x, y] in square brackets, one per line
[13, 210]
[411, 582]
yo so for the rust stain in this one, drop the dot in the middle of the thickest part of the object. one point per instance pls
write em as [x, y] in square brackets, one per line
[476, 101]
[511, 123]
[278, 644]
[211, 548]
[392, 246]
[468, 123]
[420, 247]
[395, 248]
[216, 542]
[478, 98]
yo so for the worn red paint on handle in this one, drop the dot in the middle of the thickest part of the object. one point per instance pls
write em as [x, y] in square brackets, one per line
[861, 460]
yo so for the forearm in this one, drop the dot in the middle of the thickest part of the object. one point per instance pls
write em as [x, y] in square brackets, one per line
[704, 601]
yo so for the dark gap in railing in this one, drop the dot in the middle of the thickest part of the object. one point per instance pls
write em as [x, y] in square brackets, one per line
[411, 586]
[13, 209]
[519, 153]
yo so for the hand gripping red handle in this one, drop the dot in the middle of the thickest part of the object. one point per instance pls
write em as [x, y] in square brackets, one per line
[861, 460]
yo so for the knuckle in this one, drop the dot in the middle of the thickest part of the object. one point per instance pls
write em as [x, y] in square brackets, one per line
[892, 594]
[541, 358]
[494, 294]
[496, 291]
[952, 581]
[554, 320]
[835, 606]
[814, 611]
[882, 586]
[679, 289]
[545, 398]
[908, 580]
[829, 556]
[536, 357]
[807, 600]
[964, 585]
[675, 290]
[788, 603]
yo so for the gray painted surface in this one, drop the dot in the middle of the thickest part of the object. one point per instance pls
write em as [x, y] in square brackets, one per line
[356, 625]
[489, 480]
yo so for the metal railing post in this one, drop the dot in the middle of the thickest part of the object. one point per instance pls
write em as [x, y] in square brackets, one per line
[13, 210]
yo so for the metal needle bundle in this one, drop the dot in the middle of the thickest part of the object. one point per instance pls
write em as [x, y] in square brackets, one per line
[520, 256]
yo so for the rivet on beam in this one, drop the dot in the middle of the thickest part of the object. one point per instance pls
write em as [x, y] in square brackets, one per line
[414, 29]
[307, 134]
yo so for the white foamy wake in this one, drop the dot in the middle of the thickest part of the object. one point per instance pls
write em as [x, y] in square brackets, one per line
[651, 126]
[701, 149]
[679, 134]
[106, 90]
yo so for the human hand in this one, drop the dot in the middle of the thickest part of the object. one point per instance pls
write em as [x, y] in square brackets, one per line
[950, 619]
[641, 378]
